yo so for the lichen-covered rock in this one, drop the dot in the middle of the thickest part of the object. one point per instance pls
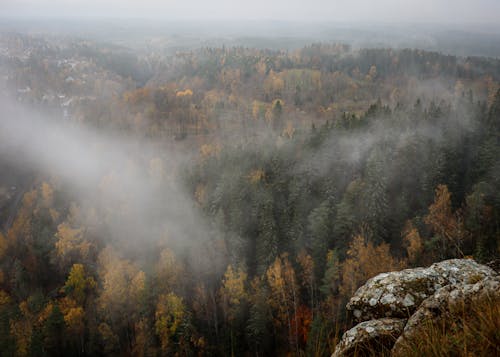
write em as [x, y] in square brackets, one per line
[444, 304]
[494, 264]
[369, 337]
[399, 294]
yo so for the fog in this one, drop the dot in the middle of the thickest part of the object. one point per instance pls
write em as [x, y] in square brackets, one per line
[134, 183]
[392, 11]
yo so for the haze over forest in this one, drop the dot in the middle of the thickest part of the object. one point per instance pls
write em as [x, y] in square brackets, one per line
[219, 178]
[393, 11]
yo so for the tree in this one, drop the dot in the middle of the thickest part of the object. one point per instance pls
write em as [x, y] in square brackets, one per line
[307, 278]
[444, 223]
[259, 327]
[331, 279]
[71, 245]
[53, 332]
[22, 329]
[375, 197]
[284, 298]
[267, 239]
[234, 298]
[320, 229]
[169, 316]
[277, 110]
[413, 242]
[74, 317]
[78, 284]
[364, 261]
[168, 271]
[122, 296]
[233, 292]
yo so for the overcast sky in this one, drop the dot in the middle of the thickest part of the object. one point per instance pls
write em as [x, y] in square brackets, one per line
[442, 11]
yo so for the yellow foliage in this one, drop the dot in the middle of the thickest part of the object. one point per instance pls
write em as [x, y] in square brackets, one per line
[364, 261]
[66, 304]
[233, 290]
[137, 285]
[289, 130]
[45, 313]
[307, 265]
[123, 283]
[4, 298]
[184, 93]
[78, 284]
[168, 270]
[230, 78]
[208, 150]
[21, 330]
[71, 240]
[170, 312]
[442, 220]
[282, 282]
[256, 175]
[74, 319]
[274, 84]
[137, 96]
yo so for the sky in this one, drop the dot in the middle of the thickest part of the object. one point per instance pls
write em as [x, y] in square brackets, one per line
[386, 11]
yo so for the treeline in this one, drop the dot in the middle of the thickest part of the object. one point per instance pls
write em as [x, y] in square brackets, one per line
[235, 89]
[214, 90]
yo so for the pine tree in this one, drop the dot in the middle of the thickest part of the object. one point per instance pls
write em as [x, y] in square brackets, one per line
[53, 333]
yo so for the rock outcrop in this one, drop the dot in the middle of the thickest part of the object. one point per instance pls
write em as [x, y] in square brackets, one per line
[386, 301]
[398, 294]
[367, 336]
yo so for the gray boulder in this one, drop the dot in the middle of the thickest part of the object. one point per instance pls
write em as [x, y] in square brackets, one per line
[399, 294]
[369, 336]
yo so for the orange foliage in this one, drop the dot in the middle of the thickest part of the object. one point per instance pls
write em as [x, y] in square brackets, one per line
[184, 93]
[413, 242]
[137, 96]
[364, 261]
[301, 323]
[443, 221]
[256, 175]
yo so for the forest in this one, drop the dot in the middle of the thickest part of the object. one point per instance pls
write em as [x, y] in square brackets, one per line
[227, 201]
